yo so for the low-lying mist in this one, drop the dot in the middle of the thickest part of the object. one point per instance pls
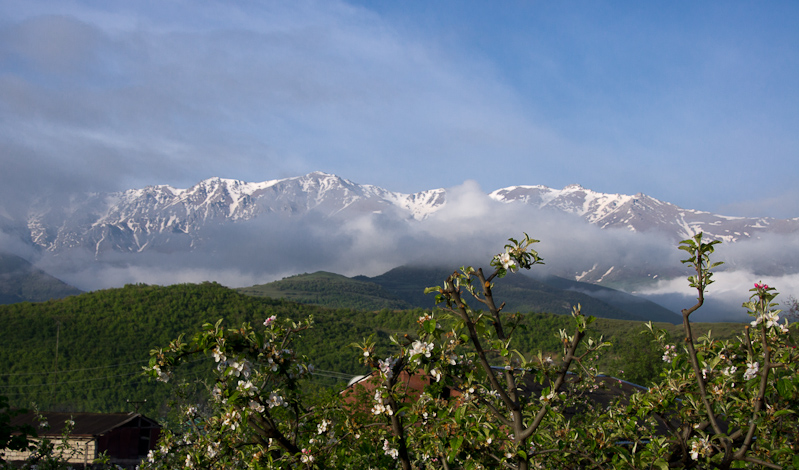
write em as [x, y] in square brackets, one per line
[469, 229]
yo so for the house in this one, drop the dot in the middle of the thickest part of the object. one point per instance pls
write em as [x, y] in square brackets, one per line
[608, 388]
[125, 437]
[358, 395]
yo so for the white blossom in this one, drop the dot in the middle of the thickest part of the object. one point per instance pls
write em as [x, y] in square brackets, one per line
[669, 354]
[275, 400]
[386, 367]
[379, 407]
[751, 370]
[216, 392]
[388, 450]
[245, 388]
[549, 397]
[257, 407]
[421, 347]
[241, 368]
[162, 376]
[506, 261]
[699, 447]
[219, 356]
[321, 428]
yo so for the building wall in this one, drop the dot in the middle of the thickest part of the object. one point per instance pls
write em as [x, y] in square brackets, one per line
[84, 451]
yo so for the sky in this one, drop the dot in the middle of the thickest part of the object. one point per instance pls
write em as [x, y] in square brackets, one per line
[694, 103]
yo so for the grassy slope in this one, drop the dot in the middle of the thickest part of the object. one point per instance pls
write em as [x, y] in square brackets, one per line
[104, 338]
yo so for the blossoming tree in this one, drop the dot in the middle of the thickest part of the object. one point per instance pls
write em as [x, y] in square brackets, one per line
[724, 404]
[492, 421]
[484, 403]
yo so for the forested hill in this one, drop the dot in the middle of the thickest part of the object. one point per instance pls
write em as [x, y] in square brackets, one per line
[403, 288]
[85, 353]
[331, 290]
[103, 339]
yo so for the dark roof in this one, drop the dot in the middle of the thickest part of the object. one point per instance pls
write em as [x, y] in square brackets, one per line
[86, 424]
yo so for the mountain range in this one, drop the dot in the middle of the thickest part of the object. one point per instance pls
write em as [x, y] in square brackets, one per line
[162, 216]
[321, 221]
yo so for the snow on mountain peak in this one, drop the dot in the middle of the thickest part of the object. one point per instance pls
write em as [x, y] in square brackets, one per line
[132, 219]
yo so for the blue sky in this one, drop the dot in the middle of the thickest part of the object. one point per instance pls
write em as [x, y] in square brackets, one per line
[694, 103]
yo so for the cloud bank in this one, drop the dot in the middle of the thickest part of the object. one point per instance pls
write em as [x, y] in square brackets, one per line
[113, 95]
[469, 230]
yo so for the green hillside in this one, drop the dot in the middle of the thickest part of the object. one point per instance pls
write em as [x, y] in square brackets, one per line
[85, 353]
[330, 290]
[403, 288]
[103, 339]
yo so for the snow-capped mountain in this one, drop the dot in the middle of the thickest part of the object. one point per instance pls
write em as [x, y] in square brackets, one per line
[163, 217]
[641, 213]
[224, 221]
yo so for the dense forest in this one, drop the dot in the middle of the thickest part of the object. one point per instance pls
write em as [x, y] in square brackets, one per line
[86, 352]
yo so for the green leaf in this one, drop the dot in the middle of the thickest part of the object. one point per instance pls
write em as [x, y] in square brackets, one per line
[430, 326]
[784, 387]
[455, 444]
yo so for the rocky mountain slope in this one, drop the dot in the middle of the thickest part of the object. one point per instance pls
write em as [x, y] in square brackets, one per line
[163, 217]
[641, 213]
[160, 220]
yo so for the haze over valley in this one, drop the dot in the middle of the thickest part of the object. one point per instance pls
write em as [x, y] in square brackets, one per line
[244, 233]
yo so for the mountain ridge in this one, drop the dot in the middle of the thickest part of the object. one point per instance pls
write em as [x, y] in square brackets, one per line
[136, 219]
[99, 228]
[403, 288]
[20, 281]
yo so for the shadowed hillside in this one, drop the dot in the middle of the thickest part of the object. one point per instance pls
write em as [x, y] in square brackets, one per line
[403, 288]
[20, 281]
